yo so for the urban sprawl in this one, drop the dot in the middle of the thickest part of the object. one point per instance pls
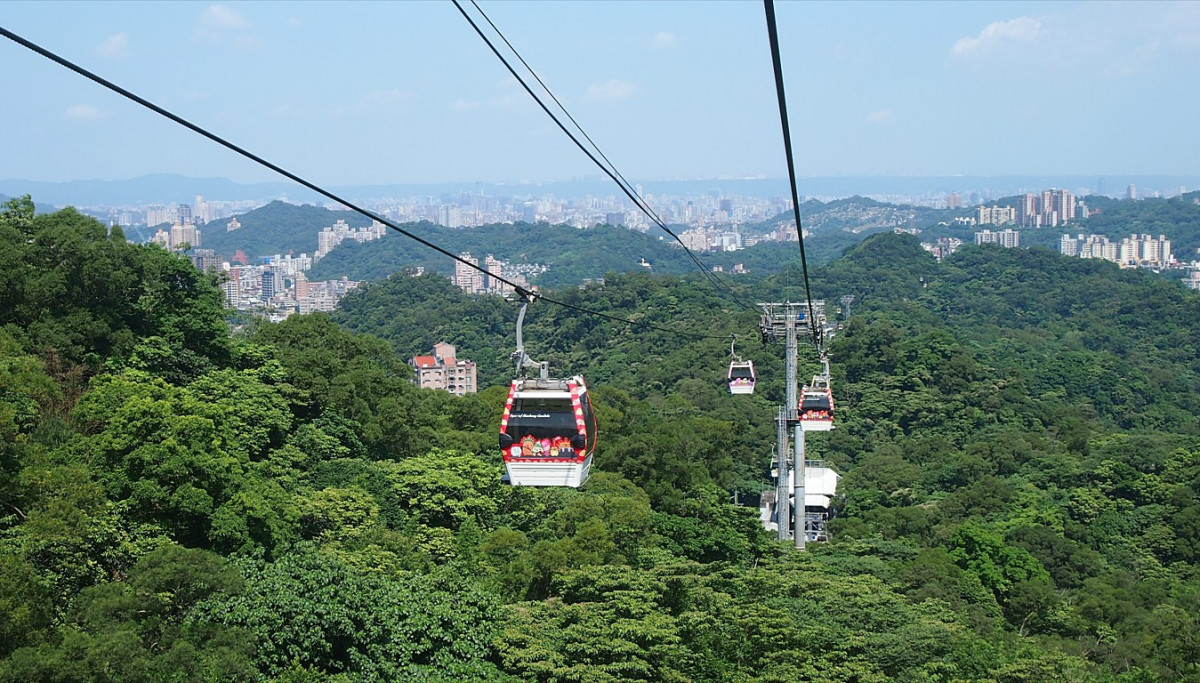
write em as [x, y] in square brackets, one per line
[277, 285]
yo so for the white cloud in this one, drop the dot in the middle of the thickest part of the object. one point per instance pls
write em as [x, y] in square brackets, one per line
[663, 39]
[115, 46]
[223, 18]
[464, 105]
[997, 34]
[881, 116]
[217, 21]
[612, 91]
[83, 112]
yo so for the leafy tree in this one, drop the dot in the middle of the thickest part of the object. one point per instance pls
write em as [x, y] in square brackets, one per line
[138, 630]
[70, 290]
[308, 609]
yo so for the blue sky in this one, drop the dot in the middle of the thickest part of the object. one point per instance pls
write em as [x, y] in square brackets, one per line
[405, 92]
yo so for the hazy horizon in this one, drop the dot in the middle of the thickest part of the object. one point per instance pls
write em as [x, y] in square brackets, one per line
[174, 188]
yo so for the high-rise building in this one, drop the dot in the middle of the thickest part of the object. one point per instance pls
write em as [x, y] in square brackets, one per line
[269, 284]
[1148, 251]
[1006, 238]
[205, 260]
[1050, 208]
[232, 286]
[202, 211]
[694, 239]
[1062, 207]
[1069, 246]
[301, 285]
[184, 234]
[444, 370]
[467, 278]
[339, 232]
[995, 215]
[330, 237]
[1133, 251]
[495, 269]
[1131, 192]
[157, 214]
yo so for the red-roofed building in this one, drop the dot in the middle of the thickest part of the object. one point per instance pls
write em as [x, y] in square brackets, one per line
[444, 371]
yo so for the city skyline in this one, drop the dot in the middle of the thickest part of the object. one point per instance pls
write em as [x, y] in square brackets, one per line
[406, 93]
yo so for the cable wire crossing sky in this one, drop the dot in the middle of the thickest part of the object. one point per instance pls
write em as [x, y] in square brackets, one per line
[382, 93]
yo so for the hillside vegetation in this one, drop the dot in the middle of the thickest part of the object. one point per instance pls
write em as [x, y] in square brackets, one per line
[570, 254]
[277, 228]
[1016, 431]
[1178, 218]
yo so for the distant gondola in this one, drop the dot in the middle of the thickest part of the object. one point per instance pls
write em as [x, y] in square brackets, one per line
[741, 377]
[741, 373]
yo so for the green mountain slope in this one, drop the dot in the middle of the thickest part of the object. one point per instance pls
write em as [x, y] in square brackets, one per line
[277, 228]
[1178, 218]
[571, 255]
[1021, 499]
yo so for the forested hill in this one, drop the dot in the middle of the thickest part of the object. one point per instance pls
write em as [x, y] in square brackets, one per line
[284, 505]
[570, 254]
[1005, 412]
[1178, 218]
[859, 215]
[574, 255]
[277, 228]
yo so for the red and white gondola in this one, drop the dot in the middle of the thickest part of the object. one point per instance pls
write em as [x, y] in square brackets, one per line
[816, 406]
[548, 432]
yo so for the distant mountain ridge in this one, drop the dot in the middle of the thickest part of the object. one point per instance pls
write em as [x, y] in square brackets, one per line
[152, 189]
[168, 188]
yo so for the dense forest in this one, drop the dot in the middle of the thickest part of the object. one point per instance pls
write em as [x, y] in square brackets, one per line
[1017, 434]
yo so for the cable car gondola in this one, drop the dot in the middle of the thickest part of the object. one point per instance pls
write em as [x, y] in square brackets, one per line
[741, 373]
[548, 430]
[816, 406]
[741, 377]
